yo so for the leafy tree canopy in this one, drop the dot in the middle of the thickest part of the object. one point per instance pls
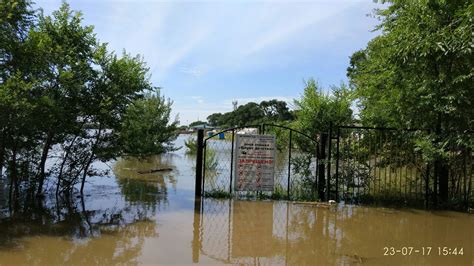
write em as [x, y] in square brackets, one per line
[316, 110]
[253, 113]
[59, 86]
[146, 127]
[419, 71]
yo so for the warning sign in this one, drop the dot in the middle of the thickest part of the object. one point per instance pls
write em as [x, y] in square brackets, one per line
[254, 163]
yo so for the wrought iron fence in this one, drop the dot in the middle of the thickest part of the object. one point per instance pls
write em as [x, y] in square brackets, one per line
[388, 165]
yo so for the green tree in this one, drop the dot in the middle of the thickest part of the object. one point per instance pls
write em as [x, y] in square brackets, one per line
[249, 113]
[215, 119]
[316, 109]
[422, 63]
[274, 110]
[64, 49]
[418, 73]
[60, 86]
[147, 128]
[17, 104]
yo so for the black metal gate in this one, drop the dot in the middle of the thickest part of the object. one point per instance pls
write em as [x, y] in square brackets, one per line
[296, 163]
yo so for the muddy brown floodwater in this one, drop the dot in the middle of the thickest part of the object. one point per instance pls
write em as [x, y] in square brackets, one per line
[132, 218]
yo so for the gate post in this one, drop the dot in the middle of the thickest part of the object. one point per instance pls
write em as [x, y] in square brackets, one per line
[321, 166]
[199, 157]
[197, 240]
[337, 162]
[328, 175]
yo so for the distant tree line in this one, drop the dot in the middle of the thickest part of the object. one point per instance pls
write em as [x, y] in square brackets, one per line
[65, 97]
[253, 113]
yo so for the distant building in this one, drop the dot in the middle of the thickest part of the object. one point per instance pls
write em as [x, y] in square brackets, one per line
[202, 126]
[249, 130]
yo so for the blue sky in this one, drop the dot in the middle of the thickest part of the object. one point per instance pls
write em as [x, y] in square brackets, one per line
[205, 54]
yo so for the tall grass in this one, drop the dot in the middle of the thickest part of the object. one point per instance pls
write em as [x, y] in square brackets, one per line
[191, 146]
[210, 157]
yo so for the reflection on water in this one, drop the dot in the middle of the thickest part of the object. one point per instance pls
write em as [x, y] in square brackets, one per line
[56, 233]
[134, 218]
[107, 226]
[246, 232]
[118, 246]
[149, 189]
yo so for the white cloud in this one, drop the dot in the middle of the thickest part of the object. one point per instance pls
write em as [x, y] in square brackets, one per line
[183, 41]
[192, 71]
[226, 36]
[171, 56]
[158, 31]
[288, 21]
[198, 99]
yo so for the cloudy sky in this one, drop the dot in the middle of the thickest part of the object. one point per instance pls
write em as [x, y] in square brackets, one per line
[205, 54]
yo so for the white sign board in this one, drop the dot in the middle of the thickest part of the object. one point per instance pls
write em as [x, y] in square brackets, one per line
[254, 165]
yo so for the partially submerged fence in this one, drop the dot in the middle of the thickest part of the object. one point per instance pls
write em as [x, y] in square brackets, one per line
[295, 163]
[350, 164]
[389, 165]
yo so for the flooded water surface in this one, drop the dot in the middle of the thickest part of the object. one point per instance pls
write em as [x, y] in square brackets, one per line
[135, 217]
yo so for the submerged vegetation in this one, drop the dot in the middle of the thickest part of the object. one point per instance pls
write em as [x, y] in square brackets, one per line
[65, 99]
[191, 146]
[146, 128]
[210, 160]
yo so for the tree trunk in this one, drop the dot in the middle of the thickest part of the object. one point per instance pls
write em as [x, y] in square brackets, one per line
[60, 175]
[44, 156]
[84, 175]
[443, 177]
[2, 151]
[13, 170]
[441, 170]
